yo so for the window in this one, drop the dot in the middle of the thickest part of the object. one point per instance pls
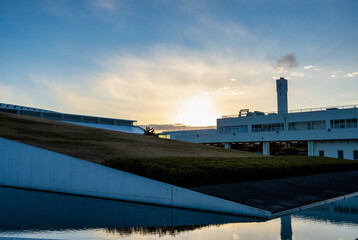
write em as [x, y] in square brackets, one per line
[267, 127]
[340, 153]
[351, 123]
[309, 125]
[344, 123]
[321, 153]
[234, 129]
[355, 154]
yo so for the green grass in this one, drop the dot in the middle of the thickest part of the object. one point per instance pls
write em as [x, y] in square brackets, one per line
[190, 172]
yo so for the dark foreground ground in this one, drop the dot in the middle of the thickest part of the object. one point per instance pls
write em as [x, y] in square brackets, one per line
[281, 194]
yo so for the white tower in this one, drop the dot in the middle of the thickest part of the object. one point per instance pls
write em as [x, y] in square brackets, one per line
[281, 87]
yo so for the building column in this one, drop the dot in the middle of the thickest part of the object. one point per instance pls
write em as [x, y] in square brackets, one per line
[228, 145]
[266, 148]
[310, 148]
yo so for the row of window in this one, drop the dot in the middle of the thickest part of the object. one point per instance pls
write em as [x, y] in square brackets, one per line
[234, 129]
[344, 123]
[340, 154]
[292, 126]
[309, 125]
[267, 127]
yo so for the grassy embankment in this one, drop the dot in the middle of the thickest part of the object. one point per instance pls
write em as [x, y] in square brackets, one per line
[176, 162]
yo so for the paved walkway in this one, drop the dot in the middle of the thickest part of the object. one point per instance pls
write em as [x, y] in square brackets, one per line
[281, 194]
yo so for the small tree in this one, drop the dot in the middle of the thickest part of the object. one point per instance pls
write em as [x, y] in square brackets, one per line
[149, 131]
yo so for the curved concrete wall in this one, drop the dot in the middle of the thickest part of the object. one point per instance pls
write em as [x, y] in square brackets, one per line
[29, 167]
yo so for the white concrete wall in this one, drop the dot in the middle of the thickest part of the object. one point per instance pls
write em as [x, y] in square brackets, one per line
[324, 135]
[330, 148]
[26, 166]
[305, 135]
[190, 133]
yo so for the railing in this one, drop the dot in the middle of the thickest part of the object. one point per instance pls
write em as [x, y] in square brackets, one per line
[302, 110]
[19, 107]
[42, 113]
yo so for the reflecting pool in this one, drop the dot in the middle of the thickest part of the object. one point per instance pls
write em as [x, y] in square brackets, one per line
[31, 214]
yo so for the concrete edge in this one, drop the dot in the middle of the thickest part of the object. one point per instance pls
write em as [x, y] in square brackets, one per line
[282, 213]
[311, 205]
[351, 195]
[259, 218]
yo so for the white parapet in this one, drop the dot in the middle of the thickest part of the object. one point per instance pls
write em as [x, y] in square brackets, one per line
[30, 167]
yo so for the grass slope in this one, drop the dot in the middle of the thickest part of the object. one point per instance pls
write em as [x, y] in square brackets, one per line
[98, 145]
[179, 163]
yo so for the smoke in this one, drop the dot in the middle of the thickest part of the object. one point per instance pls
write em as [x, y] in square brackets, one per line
[286, 63]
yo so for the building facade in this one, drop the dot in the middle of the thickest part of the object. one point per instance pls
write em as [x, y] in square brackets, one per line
[328, 131]
[114, 124]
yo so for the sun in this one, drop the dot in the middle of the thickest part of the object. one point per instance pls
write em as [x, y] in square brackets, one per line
[197, 111]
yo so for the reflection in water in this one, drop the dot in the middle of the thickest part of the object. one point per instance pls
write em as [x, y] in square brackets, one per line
[31, 214]
[339, 212]
[286, 228]
[33, 210]
[160, 231]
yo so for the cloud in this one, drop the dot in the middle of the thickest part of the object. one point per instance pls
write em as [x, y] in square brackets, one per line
[224, 91]
[351, 75]
[62, 9]
[106, 5]
[311, 67]
[335, 73]
[13, 94]
[151, 87]
[297, 74]
[6, 91]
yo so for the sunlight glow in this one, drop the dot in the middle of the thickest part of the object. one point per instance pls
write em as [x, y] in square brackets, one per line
[197, 111]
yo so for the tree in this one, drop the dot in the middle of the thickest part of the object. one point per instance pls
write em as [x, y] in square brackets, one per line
[149, 131]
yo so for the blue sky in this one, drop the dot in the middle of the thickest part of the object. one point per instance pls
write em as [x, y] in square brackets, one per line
[183, 61]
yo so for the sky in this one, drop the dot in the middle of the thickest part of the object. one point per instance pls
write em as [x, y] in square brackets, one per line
[176, 61]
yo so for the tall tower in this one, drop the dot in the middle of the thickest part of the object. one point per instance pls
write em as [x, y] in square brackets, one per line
[281, 87]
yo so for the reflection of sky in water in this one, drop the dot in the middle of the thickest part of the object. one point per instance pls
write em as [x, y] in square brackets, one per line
[30, 214]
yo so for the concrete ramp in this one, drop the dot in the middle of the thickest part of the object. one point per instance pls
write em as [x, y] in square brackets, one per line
[288, 195]
[29, 167]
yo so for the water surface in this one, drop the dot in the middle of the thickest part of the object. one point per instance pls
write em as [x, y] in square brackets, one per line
[32, 214]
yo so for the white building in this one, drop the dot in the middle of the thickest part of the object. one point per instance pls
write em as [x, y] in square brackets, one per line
[329, 132]
[114, 124]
